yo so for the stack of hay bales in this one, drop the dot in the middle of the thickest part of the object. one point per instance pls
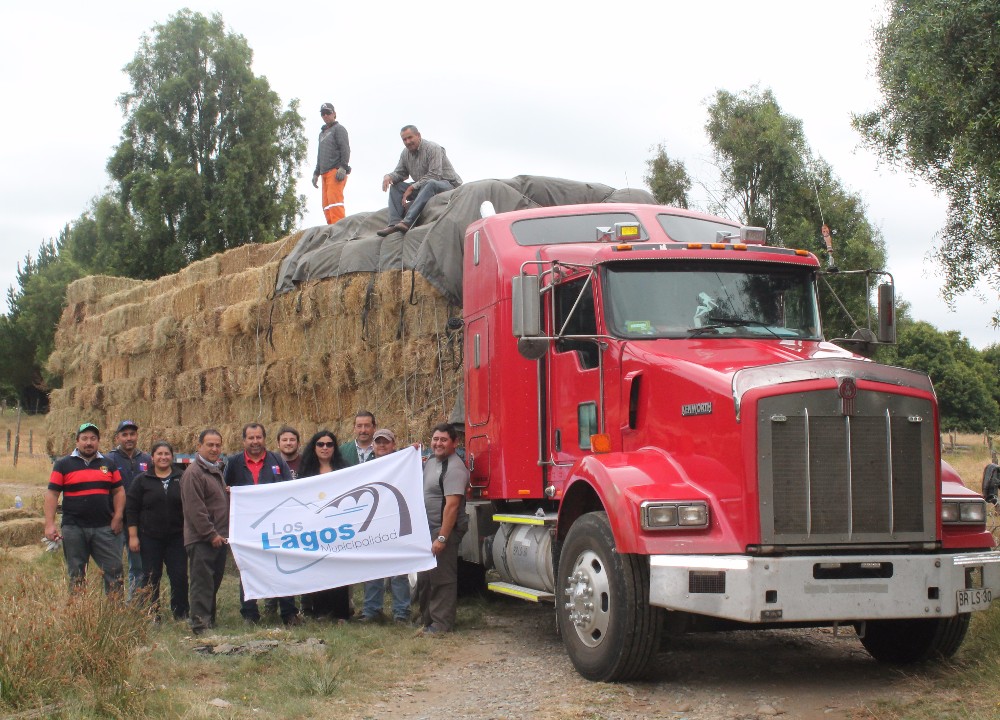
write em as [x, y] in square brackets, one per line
[211, 346]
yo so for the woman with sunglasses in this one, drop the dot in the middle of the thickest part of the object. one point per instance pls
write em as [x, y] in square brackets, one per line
[319, 457]
[155, 518]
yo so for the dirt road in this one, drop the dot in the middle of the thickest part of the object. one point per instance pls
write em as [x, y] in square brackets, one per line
[516, 668]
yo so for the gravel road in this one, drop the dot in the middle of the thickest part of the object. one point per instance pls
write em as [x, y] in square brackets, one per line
[515, 667]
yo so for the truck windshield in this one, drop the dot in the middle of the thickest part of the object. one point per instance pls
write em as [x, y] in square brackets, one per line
[710, 299]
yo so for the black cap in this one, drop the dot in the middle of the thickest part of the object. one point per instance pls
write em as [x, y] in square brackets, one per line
[125, 424]
[87, 426]
[325, 108]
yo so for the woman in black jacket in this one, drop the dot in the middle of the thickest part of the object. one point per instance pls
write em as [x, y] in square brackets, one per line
[155, 519]
[321, 456]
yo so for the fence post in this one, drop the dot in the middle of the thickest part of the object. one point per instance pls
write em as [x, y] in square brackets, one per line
[17, 433]
[8, 439]
[31, 443]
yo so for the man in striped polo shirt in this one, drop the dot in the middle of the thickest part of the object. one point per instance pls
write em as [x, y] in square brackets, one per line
[90, 523]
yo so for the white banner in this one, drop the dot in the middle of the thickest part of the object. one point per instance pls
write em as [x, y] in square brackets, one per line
[360, 523]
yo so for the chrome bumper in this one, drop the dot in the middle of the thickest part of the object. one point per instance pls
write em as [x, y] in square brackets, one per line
[787, 589]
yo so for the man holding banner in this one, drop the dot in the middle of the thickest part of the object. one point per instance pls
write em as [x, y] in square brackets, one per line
[446, 480]
[356, 524]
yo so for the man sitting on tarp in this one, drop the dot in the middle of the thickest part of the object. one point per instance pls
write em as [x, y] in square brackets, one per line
[427, 163]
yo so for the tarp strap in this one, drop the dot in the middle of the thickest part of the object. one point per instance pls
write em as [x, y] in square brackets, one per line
[413, 285]
[369, 292]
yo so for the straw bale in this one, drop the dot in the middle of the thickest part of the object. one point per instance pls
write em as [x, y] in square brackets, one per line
[162, 363]
[121, 318]
[133, 295]
[122, 392]
[189, 385]
[114, 367]
[239, 318]
[253, 255]
[134, 341]
[214, 352]
[163, 386]
[21, 513]
[90, 397]
[164, 331]
[18, 533]
[166, 413]
[160, 304]
[91, 288]
[189, 301]
[207, 269]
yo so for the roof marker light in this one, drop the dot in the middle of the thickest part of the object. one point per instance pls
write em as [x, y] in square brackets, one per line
[718, 246]
[694, 246]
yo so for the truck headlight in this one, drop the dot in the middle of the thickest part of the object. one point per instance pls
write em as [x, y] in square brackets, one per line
[968, 512]
[655, 515]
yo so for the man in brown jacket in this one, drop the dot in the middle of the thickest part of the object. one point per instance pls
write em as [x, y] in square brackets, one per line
[206, 528]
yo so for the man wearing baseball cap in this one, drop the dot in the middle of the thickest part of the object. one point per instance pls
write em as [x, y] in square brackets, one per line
[130, 462]
[332, 163]
[371, 611]
[93, 508]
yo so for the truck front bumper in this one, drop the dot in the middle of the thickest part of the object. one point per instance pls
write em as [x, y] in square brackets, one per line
[805, 589]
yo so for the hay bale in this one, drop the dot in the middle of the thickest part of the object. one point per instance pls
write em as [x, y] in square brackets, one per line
[94, 287]
[18, 533]
[7, 514]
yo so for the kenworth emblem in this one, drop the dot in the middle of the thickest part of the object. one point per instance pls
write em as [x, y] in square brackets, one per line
[696, 409]
[848, 391]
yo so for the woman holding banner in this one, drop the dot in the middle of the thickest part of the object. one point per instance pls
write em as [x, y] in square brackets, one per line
[320, 457]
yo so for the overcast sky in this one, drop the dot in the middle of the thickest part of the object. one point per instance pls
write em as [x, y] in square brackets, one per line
[581, 90]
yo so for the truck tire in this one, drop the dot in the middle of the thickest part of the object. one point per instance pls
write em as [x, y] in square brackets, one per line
[602, 604]
[904, 642]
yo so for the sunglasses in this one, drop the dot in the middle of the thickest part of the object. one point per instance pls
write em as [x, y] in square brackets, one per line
[324, 444]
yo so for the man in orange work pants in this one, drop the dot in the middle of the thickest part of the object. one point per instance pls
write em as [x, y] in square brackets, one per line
[332, 164]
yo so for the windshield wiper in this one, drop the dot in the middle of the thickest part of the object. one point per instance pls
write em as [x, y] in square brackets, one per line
[721, 322]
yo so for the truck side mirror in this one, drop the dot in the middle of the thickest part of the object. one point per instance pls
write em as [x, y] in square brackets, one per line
[886, 313]
[526, 306]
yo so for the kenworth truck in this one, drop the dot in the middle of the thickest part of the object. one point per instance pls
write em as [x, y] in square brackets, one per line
[661, 440]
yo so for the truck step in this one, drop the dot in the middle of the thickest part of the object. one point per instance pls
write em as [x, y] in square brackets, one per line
[518, 591]
[514, 519]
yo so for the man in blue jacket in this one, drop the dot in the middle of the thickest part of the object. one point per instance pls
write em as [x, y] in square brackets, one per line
[257, 465]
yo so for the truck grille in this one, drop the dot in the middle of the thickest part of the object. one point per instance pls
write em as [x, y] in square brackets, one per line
[830, 478]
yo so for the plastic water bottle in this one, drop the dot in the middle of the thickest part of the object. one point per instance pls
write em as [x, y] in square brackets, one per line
[18, 502]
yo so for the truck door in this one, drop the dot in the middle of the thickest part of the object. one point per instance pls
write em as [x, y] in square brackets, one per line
[573, 380]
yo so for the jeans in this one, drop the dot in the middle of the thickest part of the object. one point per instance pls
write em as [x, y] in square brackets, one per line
[374, 591]
[426, 192]
[82, 543]
[169, 551]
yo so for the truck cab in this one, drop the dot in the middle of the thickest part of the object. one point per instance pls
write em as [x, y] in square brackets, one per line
[659, 435]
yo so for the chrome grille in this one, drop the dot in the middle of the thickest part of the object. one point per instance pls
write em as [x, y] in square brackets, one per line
[830, 478]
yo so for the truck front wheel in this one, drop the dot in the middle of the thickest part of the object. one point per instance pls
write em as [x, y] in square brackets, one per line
[602, 604]
[903, 642]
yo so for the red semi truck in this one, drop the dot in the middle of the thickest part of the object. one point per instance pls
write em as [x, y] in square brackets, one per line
[661, 441]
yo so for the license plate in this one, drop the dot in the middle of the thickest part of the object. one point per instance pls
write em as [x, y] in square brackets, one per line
[976, 599]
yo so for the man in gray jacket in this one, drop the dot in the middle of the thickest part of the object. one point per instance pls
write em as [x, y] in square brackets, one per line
[332, 163]
[206, 528]
[432, 172]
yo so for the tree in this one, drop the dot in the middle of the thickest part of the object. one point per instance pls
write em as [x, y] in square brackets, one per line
[667, 179]
[965, 382]
[207, 158]
[938, 66]
[28, 330]
[768, 169]
[759, 152]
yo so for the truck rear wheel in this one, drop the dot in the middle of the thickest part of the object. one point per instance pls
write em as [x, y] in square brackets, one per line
[602, 604]
[903, 642]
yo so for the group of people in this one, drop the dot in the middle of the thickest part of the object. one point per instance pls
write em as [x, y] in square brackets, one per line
[425, 162]
[129, 499]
